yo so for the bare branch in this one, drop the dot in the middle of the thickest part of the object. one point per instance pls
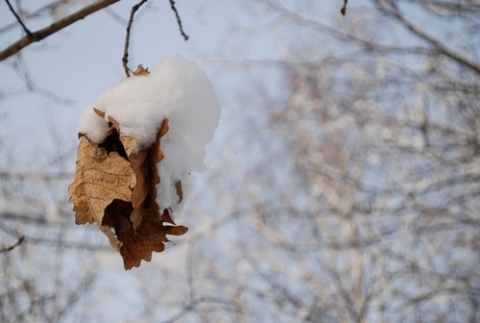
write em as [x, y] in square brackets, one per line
[16, 244]
[27, 31]
[30, 15]
[129, 27]
[394, 12]
[20, 67]
[127, 37]
[53, 28]
[179, 21]
[343, 11]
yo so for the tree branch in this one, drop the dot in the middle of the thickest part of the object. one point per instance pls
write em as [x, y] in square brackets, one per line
[19, 242]
[394, 12]
[343, 10]
[53, 28]
[127, 37]
[179, 21]
[27, 31]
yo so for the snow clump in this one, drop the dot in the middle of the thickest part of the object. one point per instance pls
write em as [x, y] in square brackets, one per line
[176, 89]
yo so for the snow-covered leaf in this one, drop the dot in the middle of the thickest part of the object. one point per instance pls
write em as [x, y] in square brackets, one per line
[138, 145]
[115, 186]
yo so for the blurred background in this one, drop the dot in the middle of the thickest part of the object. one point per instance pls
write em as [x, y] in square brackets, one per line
[343, 184]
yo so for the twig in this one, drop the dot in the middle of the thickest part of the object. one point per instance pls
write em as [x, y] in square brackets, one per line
[19, 242]
[127, 37]
[29, 15]
[53, 28]
[343, 11]
[27, 31]
[179, 21]
[115, 16]
[437, 45]
[20, 67]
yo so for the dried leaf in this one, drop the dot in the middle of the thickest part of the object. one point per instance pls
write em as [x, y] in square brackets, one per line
[141, 71]
[99, 113]
[115, 186]
[100, 178]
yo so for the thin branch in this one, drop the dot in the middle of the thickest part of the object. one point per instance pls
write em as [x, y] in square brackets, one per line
[20, 67]
[191, 306]
[343, 11]
[55, 243]
[394, 12]
[127, 37]
[19, 242]
[179, 21]
[53, 28]
[30, 15]
[27, 31]
[115, 16]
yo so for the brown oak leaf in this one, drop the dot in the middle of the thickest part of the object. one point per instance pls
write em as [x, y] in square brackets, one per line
[141, 71]
[115, 186]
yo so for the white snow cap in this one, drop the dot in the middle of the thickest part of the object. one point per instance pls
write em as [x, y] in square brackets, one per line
[176, 89]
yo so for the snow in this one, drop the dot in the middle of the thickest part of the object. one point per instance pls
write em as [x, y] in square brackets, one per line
[176, 89]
